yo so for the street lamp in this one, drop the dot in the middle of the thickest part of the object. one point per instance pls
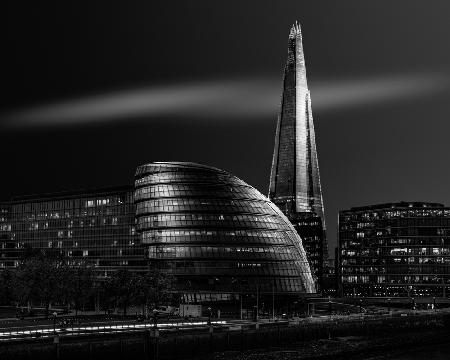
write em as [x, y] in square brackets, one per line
[155, 319]
[235, 281]
[389, 305]
[257, 298]
[273, 299]
[54, 321]
[209, 316]
[329, 317]
[240, 304]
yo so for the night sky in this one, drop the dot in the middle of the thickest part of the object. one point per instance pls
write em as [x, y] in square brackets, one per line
[93, 89]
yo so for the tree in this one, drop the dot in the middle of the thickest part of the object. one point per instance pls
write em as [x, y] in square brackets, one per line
[121, 288]
[26, 281]
[81, 285]
[42, 277]
[154, 288]
[6, 287]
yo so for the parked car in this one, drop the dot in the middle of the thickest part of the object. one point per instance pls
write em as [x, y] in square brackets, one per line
[167, 310]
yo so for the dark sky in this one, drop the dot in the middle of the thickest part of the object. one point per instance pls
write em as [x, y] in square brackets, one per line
[93, 89]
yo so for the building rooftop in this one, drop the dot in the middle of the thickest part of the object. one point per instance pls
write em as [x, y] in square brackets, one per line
[70, 193]
[397, 205]
[164, 165]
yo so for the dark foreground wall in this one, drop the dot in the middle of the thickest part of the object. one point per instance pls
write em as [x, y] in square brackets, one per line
[177, 345]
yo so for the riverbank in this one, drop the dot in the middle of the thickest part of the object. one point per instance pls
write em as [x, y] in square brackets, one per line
[348, 348]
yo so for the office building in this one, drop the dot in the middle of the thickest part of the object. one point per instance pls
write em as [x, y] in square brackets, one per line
[395, 249]
[96, 227]
[295, 180]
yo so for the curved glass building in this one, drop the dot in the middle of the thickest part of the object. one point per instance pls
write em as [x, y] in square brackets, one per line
[216, 234]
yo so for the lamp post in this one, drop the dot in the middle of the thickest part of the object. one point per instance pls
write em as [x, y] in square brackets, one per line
[209, 316]
[240, 307]
[155, 334]
[239, 282]
[389, 305]
[329, 318]
[54, 321]
[155, 319]
[257, 298]
[434, 303]
[273, 299]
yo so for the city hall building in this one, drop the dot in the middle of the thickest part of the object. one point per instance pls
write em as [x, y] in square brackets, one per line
[396, 249]
[216, 234]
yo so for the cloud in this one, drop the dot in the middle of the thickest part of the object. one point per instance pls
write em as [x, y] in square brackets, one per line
[348, 93]
[248, 98]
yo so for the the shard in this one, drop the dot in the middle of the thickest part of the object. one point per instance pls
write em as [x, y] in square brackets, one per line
[295, 181]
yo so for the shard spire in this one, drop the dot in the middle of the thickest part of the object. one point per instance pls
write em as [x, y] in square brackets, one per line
[295, 177]
[295, 180]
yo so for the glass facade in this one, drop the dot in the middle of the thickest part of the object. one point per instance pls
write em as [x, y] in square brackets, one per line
[96, 226]
[219, 236]
[295, 180]
[216, 234]
[400, 249]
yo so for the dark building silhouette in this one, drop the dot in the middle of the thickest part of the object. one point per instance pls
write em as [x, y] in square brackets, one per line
[295, 180]
[329, 281]
[8, 247]
[218, 235]
[398, 249]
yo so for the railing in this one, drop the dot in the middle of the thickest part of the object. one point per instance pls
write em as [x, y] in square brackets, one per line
[139, 341]
[45, 331]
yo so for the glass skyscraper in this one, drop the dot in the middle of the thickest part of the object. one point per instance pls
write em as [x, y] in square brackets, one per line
[295, 179]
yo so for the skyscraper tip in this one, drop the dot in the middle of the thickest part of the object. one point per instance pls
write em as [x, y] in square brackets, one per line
[295, 30]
